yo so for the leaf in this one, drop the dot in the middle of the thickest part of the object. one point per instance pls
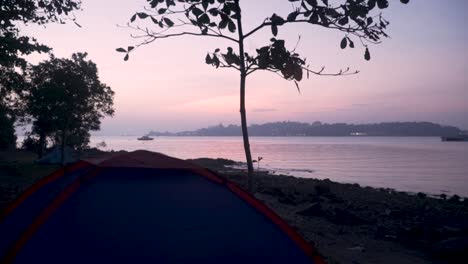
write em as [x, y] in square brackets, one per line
[343, 21]
[121, 50]
[312, 2]
[205, 5]
[204, 19]
[404, 1]
[168, 22]
[297, 86]
[344, 43]
[231, 26]
[277, 20]
[142, 15]
[223, 24]
[351, 43]
[382, 4]
[208, 59]
[292, 16]
[216, 61]
[314, 18]
[274, 30]
[154, 3]
[132, 19]
[197, 11]
[130, 48]
[126, 57]
[213, 11]
[367, 54]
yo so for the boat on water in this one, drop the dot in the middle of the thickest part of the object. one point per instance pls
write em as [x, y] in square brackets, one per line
[145, 138]
[458, 138]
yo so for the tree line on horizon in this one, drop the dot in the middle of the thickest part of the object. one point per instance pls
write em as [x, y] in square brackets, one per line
[288, 128]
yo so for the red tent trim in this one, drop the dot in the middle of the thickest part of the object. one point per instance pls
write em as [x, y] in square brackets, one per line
[45, 214]
[142, 159]
[41, 183]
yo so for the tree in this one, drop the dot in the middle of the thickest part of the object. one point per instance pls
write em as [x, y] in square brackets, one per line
[13, 46]
[222, 19]
[11, 83]
[66, 100]
[41, 12]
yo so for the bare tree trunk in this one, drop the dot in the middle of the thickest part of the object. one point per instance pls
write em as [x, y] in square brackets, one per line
[62, 148]
[42, 139]
[243, 77]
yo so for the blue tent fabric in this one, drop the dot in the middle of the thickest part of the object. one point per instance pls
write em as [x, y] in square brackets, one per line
[142, 215]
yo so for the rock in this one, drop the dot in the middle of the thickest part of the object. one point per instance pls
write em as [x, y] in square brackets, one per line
[314, 210]
[344, 217]
[358, 248]
[452, 249]
[380, 232]
[322, 189]
[313, 198]
[275, 192]
[290, 199]
[451, 231]
[421, 234]
[454, 199]
[331, 198]
[397, 213]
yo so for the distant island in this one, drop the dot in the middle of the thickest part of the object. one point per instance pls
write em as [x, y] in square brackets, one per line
[288, 128]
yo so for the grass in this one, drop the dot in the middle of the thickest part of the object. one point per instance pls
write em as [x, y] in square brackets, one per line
[18, 171]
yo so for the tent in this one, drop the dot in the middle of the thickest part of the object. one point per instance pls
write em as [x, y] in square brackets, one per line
[144, 207]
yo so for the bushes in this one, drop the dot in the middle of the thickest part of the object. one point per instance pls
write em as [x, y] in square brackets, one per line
[7, 130]
[31, 143]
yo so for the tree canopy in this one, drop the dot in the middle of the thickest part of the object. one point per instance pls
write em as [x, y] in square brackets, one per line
[14, 45]
[66, 100]
[14, 13]
[357, 20]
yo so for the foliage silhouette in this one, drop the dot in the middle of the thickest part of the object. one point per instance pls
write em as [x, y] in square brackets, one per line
[13, 46]
[356, 19]
[66, 100]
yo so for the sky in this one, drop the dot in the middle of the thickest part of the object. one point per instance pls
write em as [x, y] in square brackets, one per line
[419, 74]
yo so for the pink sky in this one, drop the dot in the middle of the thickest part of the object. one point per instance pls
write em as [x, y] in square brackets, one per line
[420, 74]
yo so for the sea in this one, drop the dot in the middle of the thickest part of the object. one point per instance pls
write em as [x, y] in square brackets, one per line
[409, 164]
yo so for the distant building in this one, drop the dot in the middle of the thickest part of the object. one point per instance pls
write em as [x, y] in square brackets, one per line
[358, 134]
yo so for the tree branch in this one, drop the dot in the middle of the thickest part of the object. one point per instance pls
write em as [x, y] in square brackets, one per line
[154, 37]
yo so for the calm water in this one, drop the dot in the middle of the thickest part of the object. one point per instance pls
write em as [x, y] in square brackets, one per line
[406, 164]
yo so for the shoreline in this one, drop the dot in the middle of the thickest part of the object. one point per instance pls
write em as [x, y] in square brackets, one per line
[229, 166]
[347, 223]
